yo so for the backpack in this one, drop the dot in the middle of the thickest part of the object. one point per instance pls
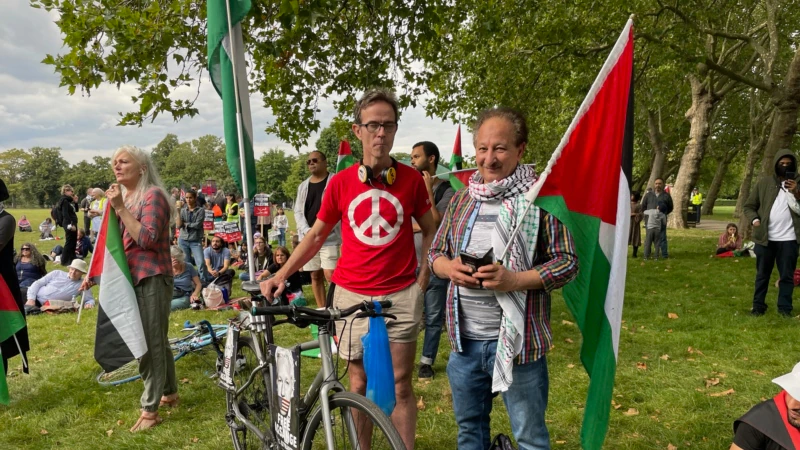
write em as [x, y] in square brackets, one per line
[55, 213]
[440, 190]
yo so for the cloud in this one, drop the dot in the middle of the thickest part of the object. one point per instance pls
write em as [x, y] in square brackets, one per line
[35, 111]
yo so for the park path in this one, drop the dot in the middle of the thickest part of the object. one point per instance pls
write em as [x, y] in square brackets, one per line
[711, 224]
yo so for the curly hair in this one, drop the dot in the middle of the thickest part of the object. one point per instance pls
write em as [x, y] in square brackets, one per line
[36, 258]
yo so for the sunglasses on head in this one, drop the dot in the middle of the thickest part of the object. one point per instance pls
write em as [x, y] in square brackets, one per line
[312, 161]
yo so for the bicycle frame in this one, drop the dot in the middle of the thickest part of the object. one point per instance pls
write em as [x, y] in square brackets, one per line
[324, 384]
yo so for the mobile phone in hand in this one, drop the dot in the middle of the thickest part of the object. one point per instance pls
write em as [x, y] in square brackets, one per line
[474, 261]
[791, 175]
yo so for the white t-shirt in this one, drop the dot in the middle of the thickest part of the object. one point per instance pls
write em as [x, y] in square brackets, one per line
[780, 228]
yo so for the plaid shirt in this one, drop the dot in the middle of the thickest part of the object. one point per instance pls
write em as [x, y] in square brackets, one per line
[555, 260]
[149, 255]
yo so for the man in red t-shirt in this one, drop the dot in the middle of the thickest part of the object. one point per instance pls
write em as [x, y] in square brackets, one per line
[375, 201]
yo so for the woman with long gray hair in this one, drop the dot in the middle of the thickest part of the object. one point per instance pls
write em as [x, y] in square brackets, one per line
[143, 208]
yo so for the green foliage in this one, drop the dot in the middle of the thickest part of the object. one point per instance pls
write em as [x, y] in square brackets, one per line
[11, 164]
[162, 151]
[301, 52]
[84, 175]
[272, 169]
[297, 174]
[196, 161]
[43, 174]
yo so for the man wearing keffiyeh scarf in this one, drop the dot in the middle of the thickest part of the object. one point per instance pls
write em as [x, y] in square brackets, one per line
[498, 316]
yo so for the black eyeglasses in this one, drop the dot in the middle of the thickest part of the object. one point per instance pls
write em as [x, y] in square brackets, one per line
[26, 248]
[312, 161]
[373, 127]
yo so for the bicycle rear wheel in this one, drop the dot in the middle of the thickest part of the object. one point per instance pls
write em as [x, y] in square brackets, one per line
[371, 426]
[129, 372]
[253, 402]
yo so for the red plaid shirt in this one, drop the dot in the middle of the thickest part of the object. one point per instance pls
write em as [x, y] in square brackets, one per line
[148, 254]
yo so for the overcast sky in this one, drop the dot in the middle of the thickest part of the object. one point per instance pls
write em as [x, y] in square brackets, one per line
[34, 111]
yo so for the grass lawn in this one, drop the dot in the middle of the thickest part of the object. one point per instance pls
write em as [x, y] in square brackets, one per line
[680, 381]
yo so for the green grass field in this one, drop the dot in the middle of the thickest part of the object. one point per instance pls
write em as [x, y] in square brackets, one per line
[691, 360]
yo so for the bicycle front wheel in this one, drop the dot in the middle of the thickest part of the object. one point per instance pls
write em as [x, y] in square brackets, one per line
[356, 422]
[129, 372]
[253, 402]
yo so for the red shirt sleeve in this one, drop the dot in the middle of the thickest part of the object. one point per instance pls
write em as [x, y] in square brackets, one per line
[329, 211]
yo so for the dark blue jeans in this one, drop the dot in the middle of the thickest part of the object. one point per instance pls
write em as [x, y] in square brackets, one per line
[470, 375]
[784, 255]
[193, 250]
[435, 298]
[663, 241]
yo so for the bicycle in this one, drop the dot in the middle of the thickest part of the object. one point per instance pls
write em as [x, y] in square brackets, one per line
[328, 417]
[201, 335]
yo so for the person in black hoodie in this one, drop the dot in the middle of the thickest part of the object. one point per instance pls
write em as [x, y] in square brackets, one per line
[69, 222]
[19, 342]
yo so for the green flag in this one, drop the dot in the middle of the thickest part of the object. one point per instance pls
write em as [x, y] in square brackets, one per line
[226, 50]
[345, 158]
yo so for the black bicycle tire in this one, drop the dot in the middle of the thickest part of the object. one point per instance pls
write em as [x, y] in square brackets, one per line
[255, 403]
[362, 404]
[127, 373]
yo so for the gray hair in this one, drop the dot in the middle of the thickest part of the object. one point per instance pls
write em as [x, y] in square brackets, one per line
[177, 253]
[65, 187]
[513, 116]
[149, 178]
[373, 96]
[98, 191]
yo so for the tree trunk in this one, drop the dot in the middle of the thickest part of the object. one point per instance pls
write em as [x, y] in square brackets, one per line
[699, 114]
[716, 183]
[784, 125]
[760, 118]
[657, 142]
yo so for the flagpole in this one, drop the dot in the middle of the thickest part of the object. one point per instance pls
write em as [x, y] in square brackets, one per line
[80, 307]
[242, 162]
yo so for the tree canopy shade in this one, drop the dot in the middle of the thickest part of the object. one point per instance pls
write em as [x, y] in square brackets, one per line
[301, 53]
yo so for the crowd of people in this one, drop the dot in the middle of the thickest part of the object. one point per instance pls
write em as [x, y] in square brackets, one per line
[497, 312]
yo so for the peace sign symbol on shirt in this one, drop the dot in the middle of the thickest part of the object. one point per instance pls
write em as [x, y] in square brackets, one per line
[369, 231]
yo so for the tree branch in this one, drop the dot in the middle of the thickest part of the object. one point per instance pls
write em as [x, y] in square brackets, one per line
[735, 76]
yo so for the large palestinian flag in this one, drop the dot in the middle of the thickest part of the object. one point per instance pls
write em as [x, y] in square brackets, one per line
[11, 321]
[226, 52]
[120, 336]
[588, 190]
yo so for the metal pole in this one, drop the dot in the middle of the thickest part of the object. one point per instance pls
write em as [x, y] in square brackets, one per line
[239, 133]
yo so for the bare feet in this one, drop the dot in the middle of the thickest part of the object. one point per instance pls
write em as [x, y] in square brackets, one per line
[146, 421]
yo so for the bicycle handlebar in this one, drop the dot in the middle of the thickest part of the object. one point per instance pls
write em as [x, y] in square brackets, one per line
[329, 314]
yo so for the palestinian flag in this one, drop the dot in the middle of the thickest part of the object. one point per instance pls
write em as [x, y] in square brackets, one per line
[224, 51]
[11, 321]
[597, 150]
[120, 336]
[345, 158]
[458, 178]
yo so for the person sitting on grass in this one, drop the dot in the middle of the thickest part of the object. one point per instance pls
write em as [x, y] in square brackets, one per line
[218, 263]
[262, 258]
[186, 285]
[774, 423]
[59, 285]
[24, 224]
[729, 240]
[294, 282]
[84, 246]
[46, 230]
[30, 266]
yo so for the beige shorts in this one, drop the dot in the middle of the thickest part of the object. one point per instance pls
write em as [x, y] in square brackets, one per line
[406, 305]
[325, 259]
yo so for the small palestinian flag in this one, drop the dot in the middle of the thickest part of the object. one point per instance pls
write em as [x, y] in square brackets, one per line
[597, 148]
[345, 158]
[120, 335]
[11, 321]
[458, 178]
